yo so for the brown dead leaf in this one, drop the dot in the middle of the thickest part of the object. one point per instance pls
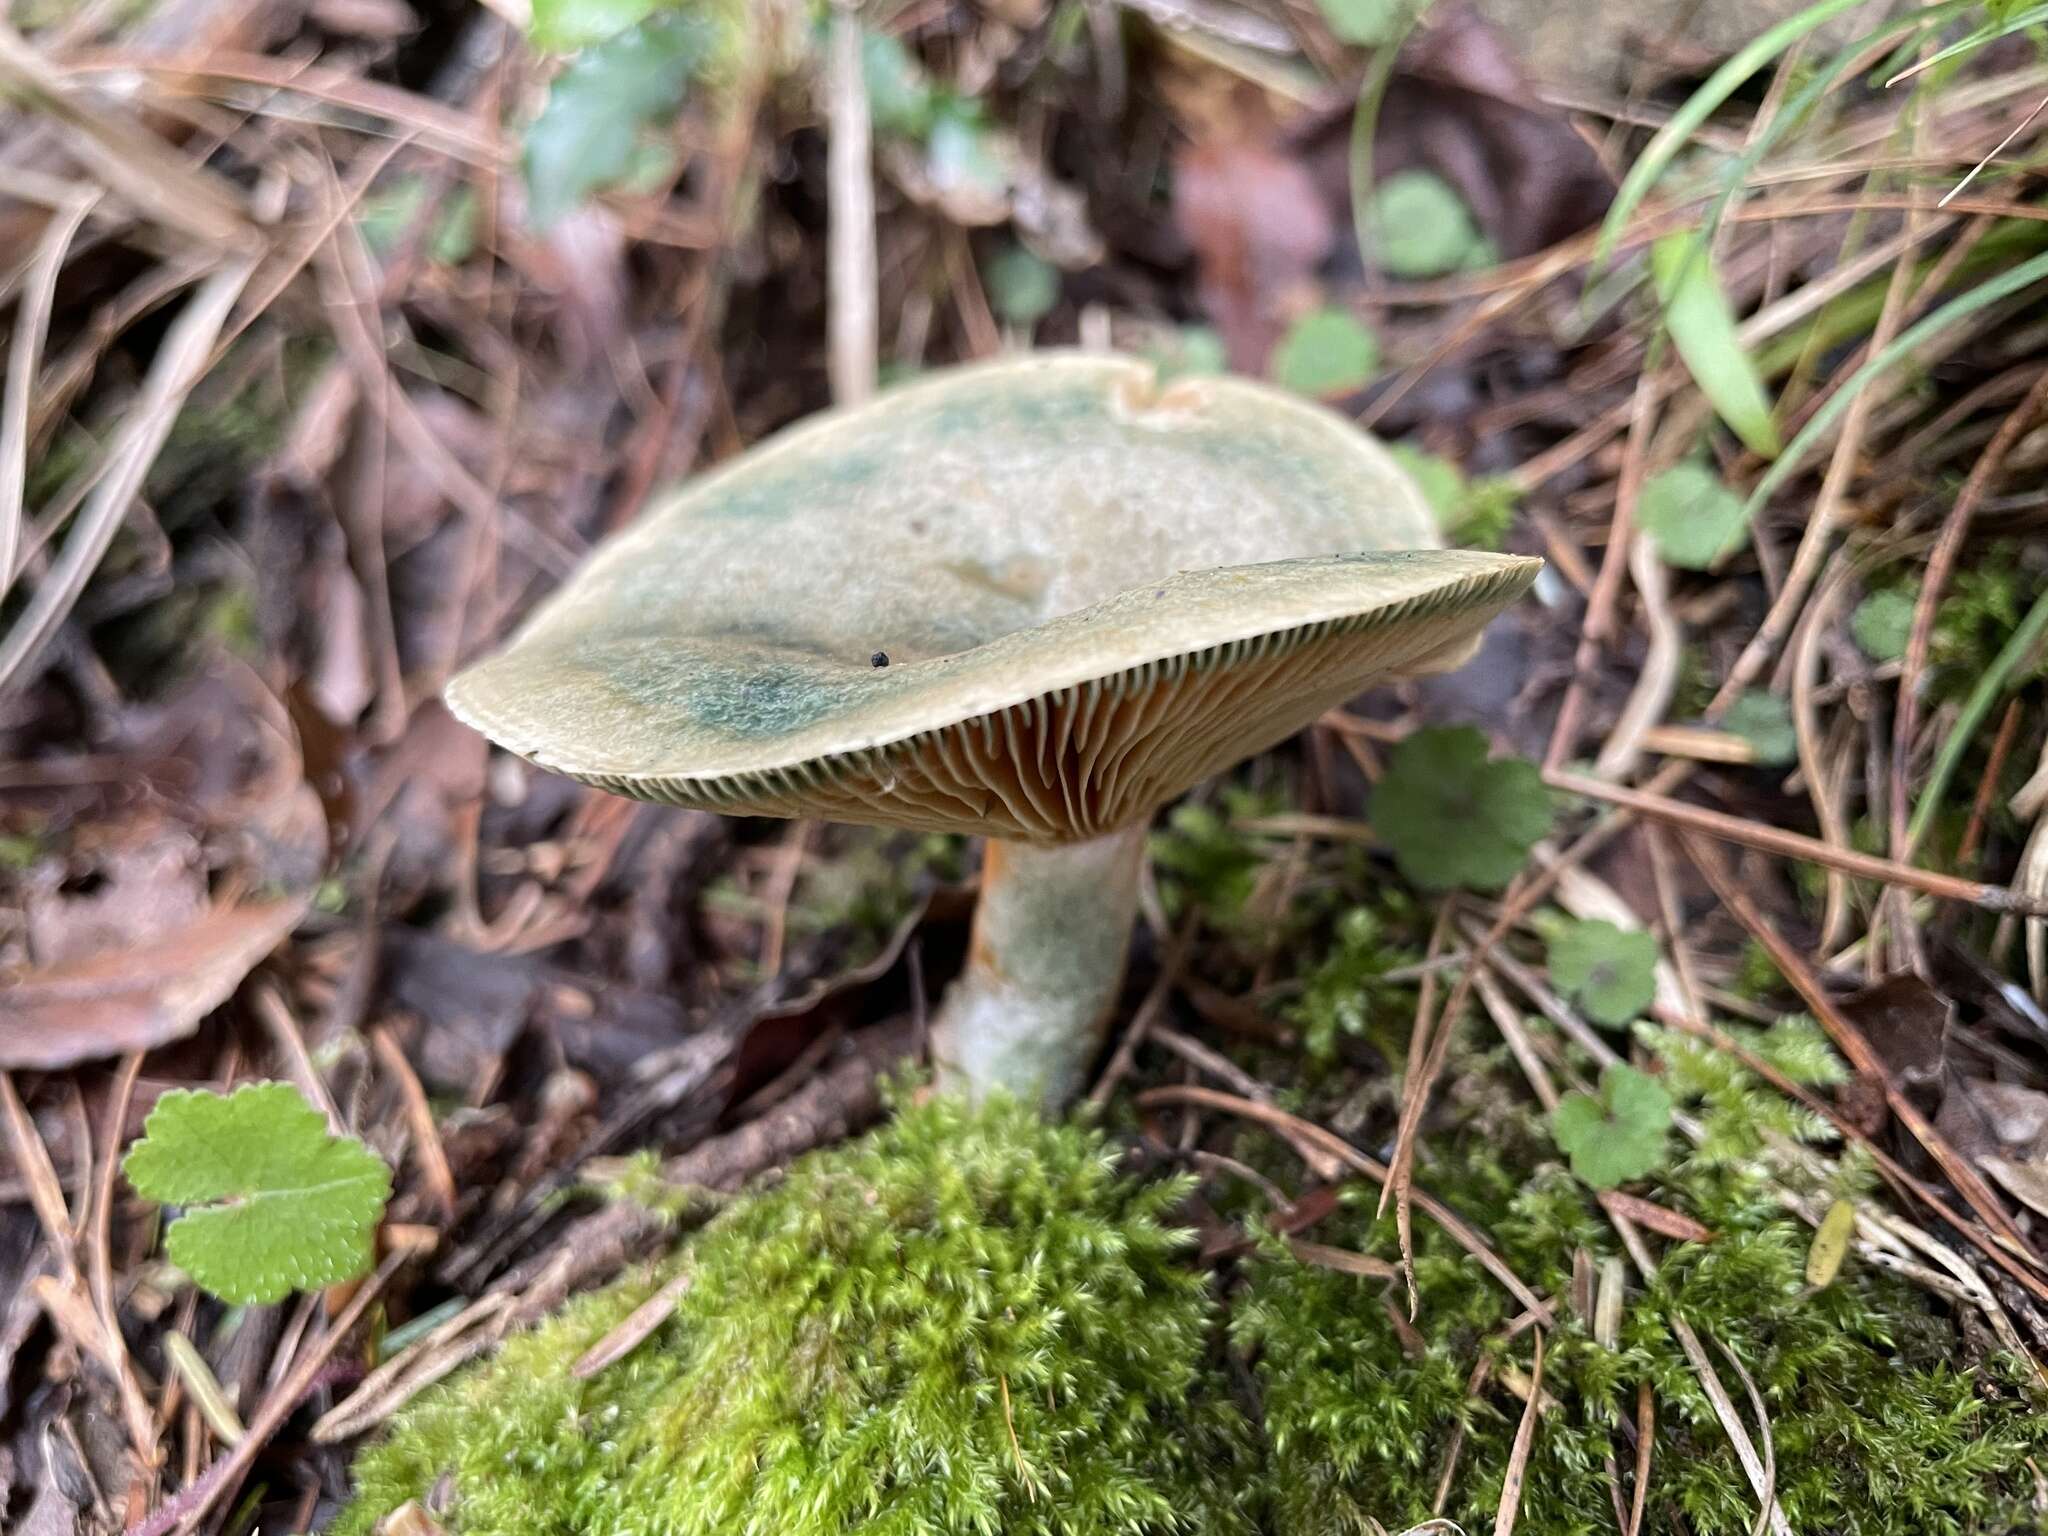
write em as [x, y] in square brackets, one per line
[2025, 1182]
[141, 996]
[1984, 1119]
[1907, 1023]
[1259, 227]
[122, 885]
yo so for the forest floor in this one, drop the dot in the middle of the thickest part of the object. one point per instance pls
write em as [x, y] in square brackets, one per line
[339, 330]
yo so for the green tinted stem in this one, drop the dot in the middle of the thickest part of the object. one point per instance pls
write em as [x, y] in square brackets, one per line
[1044, 969]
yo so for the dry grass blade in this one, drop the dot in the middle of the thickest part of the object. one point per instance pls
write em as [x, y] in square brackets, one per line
[1344, 1260]
[24, 353]
[225, 1476]
[1864, 1059]
[1762, 1473]
[633, 1329]
[1646, 1438]
[1335, 1146]
[1941, 564]
[441, 128]
[1811, 555]
[1518, 1455]
[131, 160]
[179, 363]
[1793, 845]
[1996, 150]
[412, 1370]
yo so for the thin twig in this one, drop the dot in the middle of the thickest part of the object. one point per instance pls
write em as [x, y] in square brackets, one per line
[850, 212]
[1794, 845]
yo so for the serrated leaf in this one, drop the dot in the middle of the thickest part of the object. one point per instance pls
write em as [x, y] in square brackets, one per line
[1765, 722]
[563, 26]
[1325, 353]
[585, 136]
[1883, 624]
[1022, 289]
[1422, 228]
[274, 1203]
[1695, 519]
[1455, 818]
[1610, 972]
[1702, 328]
[1620, 1135]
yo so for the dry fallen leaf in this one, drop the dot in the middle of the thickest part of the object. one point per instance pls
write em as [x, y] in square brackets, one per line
[1259, 228]
[137, 998]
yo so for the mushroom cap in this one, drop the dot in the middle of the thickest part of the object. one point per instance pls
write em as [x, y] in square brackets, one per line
[1092, 591]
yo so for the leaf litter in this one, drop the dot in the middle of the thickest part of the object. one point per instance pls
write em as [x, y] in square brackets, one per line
[384, 357]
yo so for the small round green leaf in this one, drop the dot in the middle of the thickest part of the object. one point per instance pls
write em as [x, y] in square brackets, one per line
[273, 1202]
[1610, 972]
[1695, 519]
[1618, 1136]
[1765, 722]
[1325, 353]
[1455, 818]
[1883, 624]
[1422, 228]
[1022, 289]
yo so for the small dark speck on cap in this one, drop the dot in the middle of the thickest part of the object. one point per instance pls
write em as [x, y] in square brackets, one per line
[1160, 593]
[879, 659]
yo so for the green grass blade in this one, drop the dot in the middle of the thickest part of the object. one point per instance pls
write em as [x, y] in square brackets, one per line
[1991, 33]
[1723, 83]
[1990, 291]
[1989, 689]
[1702, 328]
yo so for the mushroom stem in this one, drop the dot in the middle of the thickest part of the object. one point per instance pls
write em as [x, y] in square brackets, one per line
[1043, 971]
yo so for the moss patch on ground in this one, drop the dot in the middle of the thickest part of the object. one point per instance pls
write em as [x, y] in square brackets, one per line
[1877, 1425]
[971, 1324]
[967, 1322]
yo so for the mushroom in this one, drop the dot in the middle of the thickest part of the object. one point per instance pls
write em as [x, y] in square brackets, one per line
[1092, 589]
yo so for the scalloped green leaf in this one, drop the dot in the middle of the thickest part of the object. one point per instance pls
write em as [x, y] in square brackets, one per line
[1453, 816]
[563, 26]
[1764, 721]
[1610, 972]
[274, 1203]
[1620, 1135]
[585, 136]
[1326, 353]
[1422, 228]
[1695, 519]
[1883, 623]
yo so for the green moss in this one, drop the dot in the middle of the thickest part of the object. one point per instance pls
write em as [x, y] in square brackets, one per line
[968, 1322]
[1877, 1428]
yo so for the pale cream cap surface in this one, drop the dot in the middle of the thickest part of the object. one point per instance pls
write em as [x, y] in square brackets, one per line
[1092, 591]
